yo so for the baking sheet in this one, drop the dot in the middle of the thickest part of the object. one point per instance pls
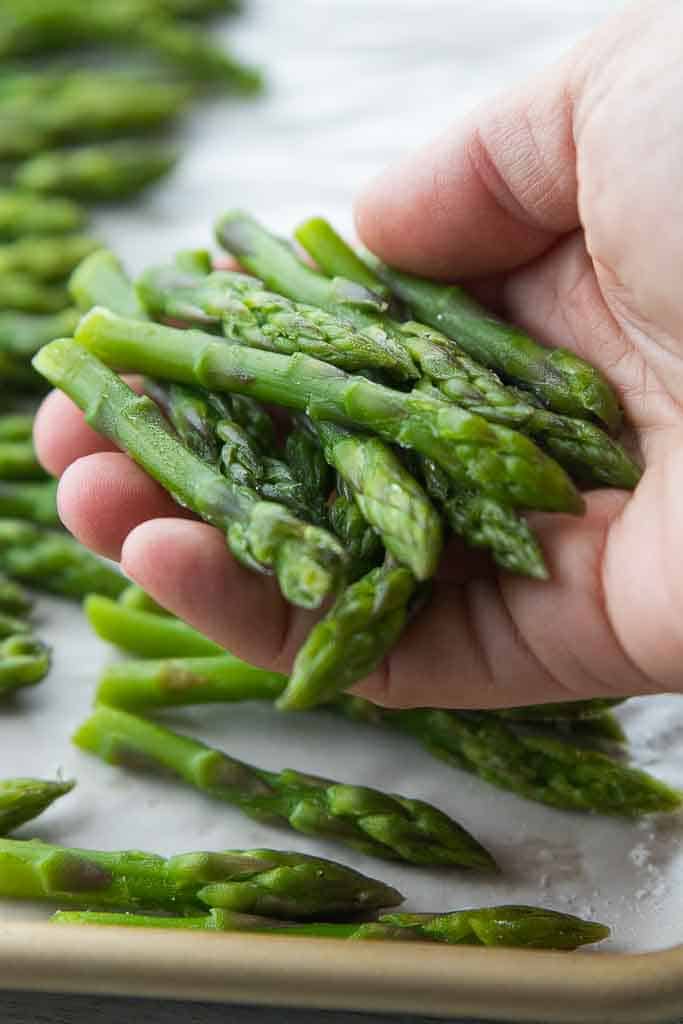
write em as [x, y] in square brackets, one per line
[353, 84]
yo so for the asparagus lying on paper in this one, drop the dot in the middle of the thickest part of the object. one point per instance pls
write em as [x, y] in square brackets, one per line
[308, 561]
[22, 334]
[391, 827]
[24, 213]
[144, 633]
[21, 800]
[16, 426]
[501, 462]
[541, 768]
[289, 885]
[24, 661]
[515, 926]
[36, 502]
[22, 293]
[13, 598]
[11, 626]
[49, 258]
[110, 170]
[18, 461]
[53, 562]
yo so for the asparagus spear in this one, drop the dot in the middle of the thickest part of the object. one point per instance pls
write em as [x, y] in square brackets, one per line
[580, 447]
[361, 542]
[23, 293]
[36, 502]
[291, 885]
[100, 278]
[352, 639]
[136, 598]
[110, 170]
[537, 767]
[308, 561]
[484, 522]
[392, 827]
[16, 426]
[562, 710]
[18, 461]
[52, 108]
[24, 213]
[390, 499]
[24, 661]
[47, 258]
[251, 315]
[516, 926]
[22, 334]
[54, 562]
[24, 799]
[11, 626]
[13, 599]
[558, 377]
[500, 462]
[143, 633]
[311, 471]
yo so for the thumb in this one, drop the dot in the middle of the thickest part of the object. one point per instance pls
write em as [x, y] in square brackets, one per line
[487, 196]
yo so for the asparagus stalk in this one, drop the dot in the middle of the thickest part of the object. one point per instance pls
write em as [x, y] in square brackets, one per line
[361, 542]
[352, 639]
[504, 464]
[251, 315]
[308, 561]
[22, 293]
[580, 447]
[539, 768]
[24, 213]
[110, 170]
[558, 377]
[136, 598]
[53, 108]
[24, 661]
[390, 499]
[144, 633]
[53, 562]
[22, 334]
[18, 461]
[574, 710]
[24, 799]
[311, 471]
[13, 599]
[48, 258]
[11, 626]
[290, 885]
[516, 926]
[35, 502]
[100, 278]
[16, 426]
[391, 827]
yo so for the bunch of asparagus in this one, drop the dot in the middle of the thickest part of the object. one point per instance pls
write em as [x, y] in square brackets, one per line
[399, 432]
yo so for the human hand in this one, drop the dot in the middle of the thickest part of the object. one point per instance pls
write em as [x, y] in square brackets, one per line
[563, 201]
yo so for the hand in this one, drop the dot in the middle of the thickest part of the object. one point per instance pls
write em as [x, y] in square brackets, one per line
[564, 202]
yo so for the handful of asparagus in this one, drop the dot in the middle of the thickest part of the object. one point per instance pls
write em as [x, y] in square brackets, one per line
[400, 432]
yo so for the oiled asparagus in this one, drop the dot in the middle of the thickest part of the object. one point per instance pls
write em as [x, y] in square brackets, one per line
[21, 800]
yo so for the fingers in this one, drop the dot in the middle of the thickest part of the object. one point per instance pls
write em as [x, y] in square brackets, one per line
[188, 568]
[61, 435]
[102, 497]
[486, 197]
[511, 641]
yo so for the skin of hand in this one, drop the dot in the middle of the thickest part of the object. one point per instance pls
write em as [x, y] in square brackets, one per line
[561, 204]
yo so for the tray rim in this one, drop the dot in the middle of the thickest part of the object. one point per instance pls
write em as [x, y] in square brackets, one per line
[328, 974]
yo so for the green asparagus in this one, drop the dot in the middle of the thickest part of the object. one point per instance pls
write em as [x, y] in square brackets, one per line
[311, 471]
[100, 278]
[504, 464]
[53, 562]
[47, 258]
[145, 633]
[352, 639]
[290, 885]
[335, 258]
[137, 599]
[23, 293]
[24, 661]
[34, 501]
[18, 461]
[562, 710]
[362, 543]
[308, 561]
[515, 926]
[392, 827]
[16, 426]
[24, 213]
[110, 170]
[390, 499]
[22, 334]
[13, 598]
[261, 319]
[49, 109]
[558, 377]
[11, 626]
[24, 799]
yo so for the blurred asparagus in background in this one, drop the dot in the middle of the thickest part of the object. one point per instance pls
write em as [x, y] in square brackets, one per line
[26, 214]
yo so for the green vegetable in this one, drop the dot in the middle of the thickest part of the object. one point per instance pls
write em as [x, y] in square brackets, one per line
[18, 461]
[24, 661]
[143, 633]
[23, 293]
[392, 827]
[13, 599]
[49, 258]
[291, 885]
[500, 462]
[22, 334]
[24, 213]
[24, 799]
[100, 278]
[36, 502]
[308, 561]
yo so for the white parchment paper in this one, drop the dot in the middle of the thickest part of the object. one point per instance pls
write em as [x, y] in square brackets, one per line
[353, 84]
